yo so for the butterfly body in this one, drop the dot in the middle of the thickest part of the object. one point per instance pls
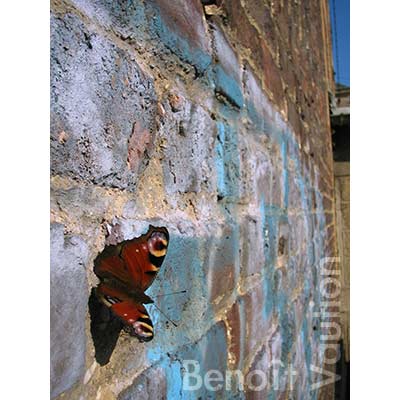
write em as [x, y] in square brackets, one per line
[126, 271]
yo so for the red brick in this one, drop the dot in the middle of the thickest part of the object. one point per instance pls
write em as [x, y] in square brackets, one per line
[239, 23]
[285, 63]
[186, 17]
[294, 119]
[330, 241]
[328, 204]
[256, 325]
[223, 268]
[283, 20]
[139, 142]
[272, 76]
[236, 328]
[265, 21]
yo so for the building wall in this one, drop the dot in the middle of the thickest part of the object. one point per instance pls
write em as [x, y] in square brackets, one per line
[342, 201]
[211, 120]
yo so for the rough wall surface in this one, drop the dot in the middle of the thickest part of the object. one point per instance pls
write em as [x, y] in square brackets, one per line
[212, 120]
[342, 203]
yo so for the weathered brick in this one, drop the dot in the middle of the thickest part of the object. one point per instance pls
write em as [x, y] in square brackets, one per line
[263, 116]
[294, 119]
[68, 300]
[149, 385]
[288, 71]
[264, 19]
[227, 161]
[222, 267]
[188, 165]
[256, 170]
[259, 377]
[181, 26]
[277, 184]
[228, 74]
[122, 17]
[137, 146]
[236, 327]
[245, 32]
[252, 247]
[256, 319]
[211, 354]
[272, 76]
[274, 341]
[96, 114]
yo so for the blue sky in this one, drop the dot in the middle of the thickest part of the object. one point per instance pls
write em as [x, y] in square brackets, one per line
[341, 31]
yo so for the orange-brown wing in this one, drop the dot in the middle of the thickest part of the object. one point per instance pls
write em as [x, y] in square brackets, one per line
[110, 265]
[144, 256]
[135, 262]
[133, 314]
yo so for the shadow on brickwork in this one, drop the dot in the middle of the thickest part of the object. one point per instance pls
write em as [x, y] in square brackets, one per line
[105, 329]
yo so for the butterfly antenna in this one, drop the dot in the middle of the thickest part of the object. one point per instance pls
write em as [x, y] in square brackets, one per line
[168, 294]
[172, 322]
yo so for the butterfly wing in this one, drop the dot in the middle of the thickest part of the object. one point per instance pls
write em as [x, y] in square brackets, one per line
[126, 271]
[145, 255]
[134, 263]
[111, 266]
[132, 313]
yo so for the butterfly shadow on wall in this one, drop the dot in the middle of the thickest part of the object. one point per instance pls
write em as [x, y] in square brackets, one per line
[105, 329]
[126, 271]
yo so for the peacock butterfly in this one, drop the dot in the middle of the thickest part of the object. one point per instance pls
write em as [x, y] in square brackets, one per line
[126, 271]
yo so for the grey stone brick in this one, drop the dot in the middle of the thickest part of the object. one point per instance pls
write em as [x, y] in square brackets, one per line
[99, 98]
[68, 302]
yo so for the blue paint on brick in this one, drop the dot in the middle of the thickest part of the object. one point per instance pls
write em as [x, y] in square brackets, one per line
[219, 160]
[271, 395]
[261, 124]
[268, 299]
[227, 161]
[174, 380]
[273, 215]
[175, 42]
[210, 352]
[267, 284]
[254, 117]
[307, 348]
[182, 270]
[228, 86]
[214, 351]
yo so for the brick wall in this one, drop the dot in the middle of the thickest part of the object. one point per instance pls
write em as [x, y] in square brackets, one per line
[342, 202]
[212, 120]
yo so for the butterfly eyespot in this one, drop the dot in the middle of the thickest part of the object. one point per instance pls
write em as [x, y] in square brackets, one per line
[142, 330]
[157, 244]
[159, 236]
